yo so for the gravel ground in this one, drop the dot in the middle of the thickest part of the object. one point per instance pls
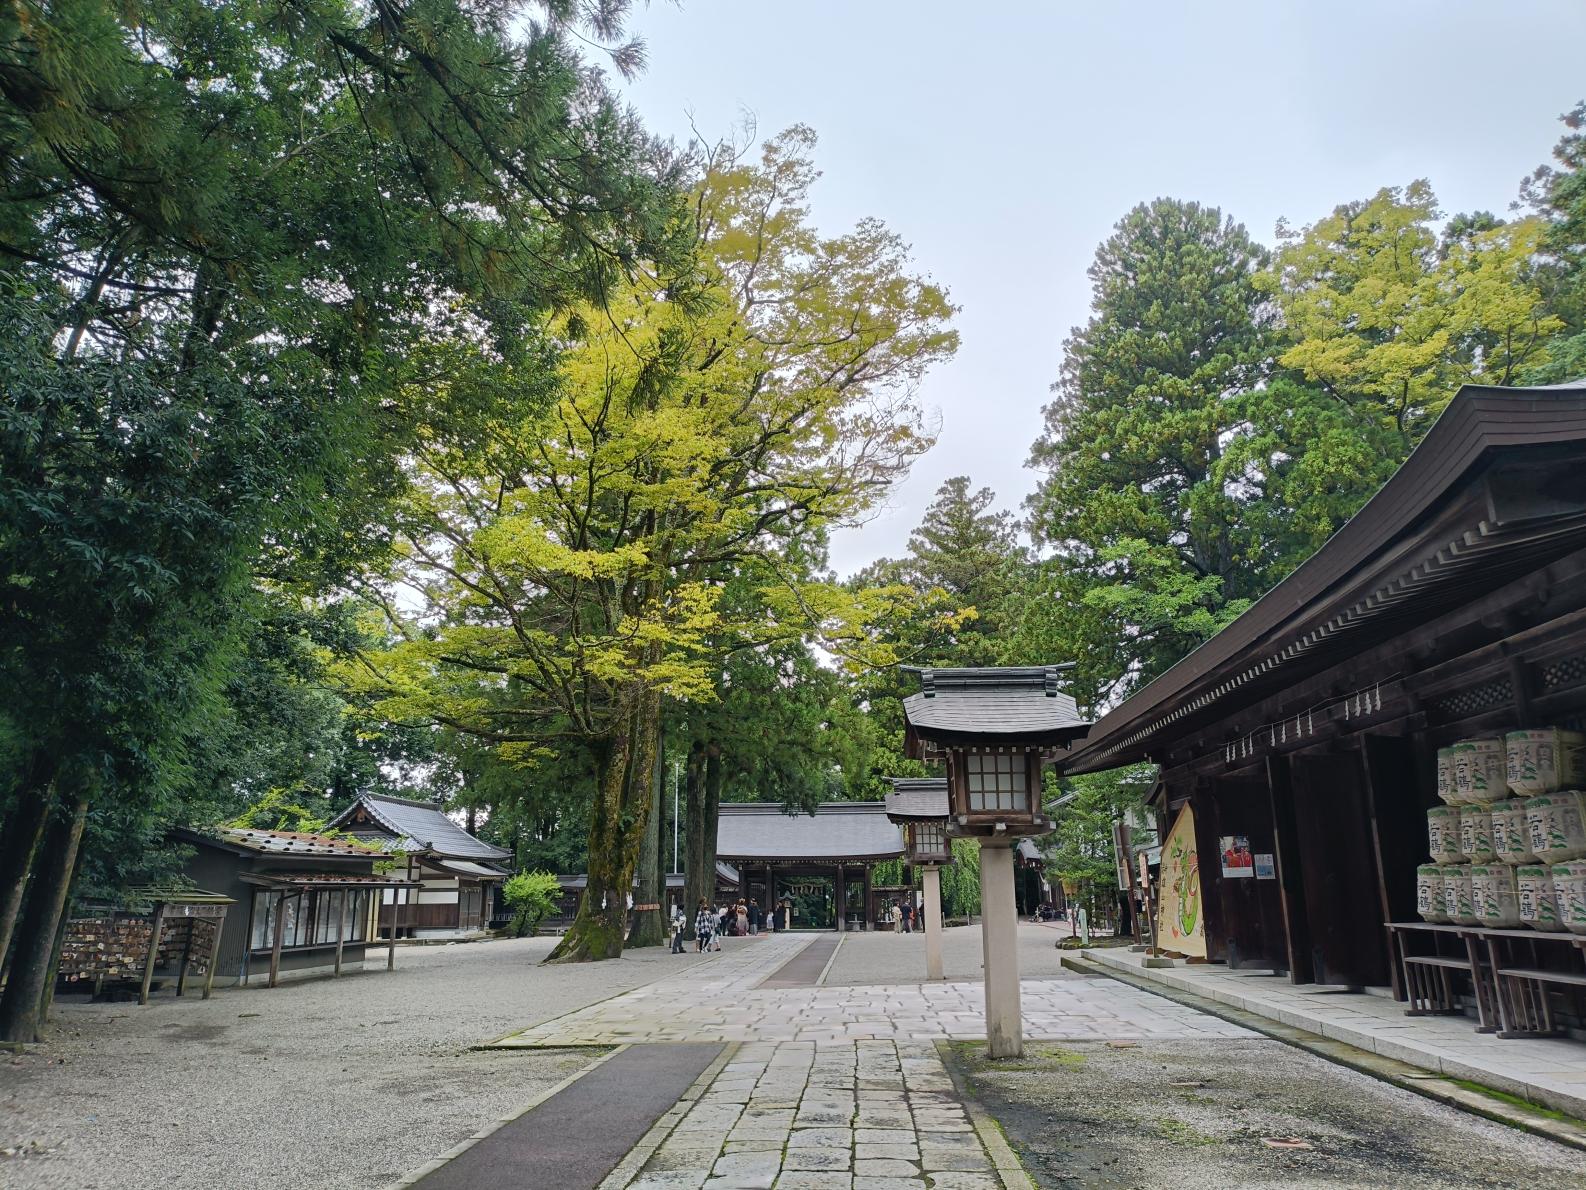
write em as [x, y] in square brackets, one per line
[867, 957]
[322, 1084]
[1093, 1116]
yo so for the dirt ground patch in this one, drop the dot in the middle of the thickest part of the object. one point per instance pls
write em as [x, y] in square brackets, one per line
[1194, 1114]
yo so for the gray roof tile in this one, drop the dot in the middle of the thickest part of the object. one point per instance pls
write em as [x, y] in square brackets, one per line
[1014, 702]
[747, 832]
[917, 797]
[423, 826]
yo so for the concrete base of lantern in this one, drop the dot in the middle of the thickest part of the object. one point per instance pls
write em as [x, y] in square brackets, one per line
[932, 879]
[1000, 942]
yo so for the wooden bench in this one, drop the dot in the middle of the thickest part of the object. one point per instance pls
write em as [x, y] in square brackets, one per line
[1522, 999]
[1428, 985]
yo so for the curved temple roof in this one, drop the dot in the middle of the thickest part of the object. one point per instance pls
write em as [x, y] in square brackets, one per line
[916, 798]
[421, 826]
[760, 832]
[1008, 705]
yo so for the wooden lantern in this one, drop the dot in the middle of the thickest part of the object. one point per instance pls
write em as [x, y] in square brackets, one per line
[993, 728]
[919, 806]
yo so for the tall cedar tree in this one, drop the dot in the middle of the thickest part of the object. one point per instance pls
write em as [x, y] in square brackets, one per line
[1150, 552]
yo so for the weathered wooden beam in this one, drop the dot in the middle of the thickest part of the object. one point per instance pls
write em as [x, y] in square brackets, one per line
[154, 953]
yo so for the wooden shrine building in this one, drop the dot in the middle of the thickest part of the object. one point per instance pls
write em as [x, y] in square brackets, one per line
[1298, 747]
[818, 865]
[305, 904]
[458, 874]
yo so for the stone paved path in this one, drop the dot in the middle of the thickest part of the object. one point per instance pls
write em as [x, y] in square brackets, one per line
[718, 1000]
[837, 1088]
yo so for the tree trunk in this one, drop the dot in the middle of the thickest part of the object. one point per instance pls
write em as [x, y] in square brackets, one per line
[695, 885]
[649, 925]
[40, 922]
[19, 845]
[617, 822]
[713, 779]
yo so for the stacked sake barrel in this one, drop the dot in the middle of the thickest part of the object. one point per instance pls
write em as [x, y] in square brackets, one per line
[1509, 843]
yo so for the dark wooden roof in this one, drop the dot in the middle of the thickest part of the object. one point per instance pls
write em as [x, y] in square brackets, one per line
[915, 799]
[1008, 705]
[1496, 489]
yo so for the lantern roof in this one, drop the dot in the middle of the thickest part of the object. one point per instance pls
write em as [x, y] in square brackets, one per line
[915, 799]
[1007, 706]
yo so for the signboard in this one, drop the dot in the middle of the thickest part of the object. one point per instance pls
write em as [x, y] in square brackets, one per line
[1179, 924]
[1265, 868]
[1238, 863]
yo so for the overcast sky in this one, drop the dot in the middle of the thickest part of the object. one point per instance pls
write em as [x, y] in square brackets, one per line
[1003, 141]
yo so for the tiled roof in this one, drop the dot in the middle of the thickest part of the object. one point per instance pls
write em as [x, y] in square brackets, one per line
[293, 843]
[758, 831]
[422, 826]
[917, 797]
[1013, 703]
[327, 880]
[463, 867]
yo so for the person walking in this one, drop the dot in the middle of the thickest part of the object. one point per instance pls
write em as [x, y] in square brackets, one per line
[743, 920]
[704, 927]
[897, 918]
[678, 921]
[754, 918]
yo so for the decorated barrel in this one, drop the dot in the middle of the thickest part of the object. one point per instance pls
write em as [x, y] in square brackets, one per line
[1569, 889]
[1544, 760]
[1493, 896]
[1480, 770]
[1557, 825]
[1457, 901]
[1442, 834]
[1446, 791]
[1538, 900]
[1429, 893]
[1475, 834]
[1511, 832]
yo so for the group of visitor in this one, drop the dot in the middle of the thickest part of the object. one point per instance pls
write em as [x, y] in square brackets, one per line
[740, 920]
[904, 917]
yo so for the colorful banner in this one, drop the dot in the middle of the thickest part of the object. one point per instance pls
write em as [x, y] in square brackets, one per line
[1179, 927]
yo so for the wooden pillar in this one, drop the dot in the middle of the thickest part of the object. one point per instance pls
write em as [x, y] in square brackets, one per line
[218, 928]
[341, 930]
[275, 944]
[154, 952]
[869, 910]
[187, 956]
[999, 928]
[842, 898]
[1291, 887]
[398, 903]
[931, 876]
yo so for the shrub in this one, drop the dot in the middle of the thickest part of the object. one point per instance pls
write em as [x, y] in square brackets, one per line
[531, 896]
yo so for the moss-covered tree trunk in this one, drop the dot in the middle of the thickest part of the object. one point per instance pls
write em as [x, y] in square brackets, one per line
[601, 921]
[617, 821]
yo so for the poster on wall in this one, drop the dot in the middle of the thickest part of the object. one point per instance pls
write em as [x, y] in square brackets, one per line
[1265, 868]
[1238, 863]
[1179, 927]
